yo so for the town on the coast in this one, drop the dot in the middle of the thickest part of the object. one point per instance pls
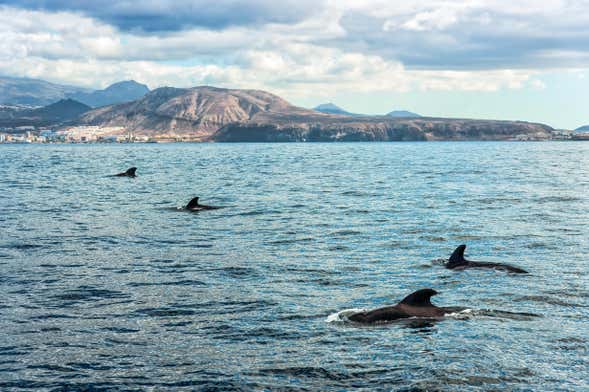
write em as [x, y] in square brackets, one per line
[97, 134]
[85, 134]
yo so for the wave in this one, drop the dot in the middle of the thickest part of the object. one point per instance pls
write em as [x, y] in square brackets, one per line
[343, 315]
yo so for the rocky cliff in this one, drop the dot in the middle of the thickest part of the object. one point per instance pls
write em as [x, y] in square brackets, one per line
[381, 129]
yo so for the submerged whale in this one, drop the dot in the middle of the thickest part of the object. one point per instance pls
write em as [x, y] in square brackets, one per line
[458, 262]
[417, 304]
[129, 173]
[193, 205]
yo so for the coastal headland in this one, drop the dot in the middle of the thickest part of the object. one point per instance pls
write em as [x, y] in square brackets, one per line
[211, 114]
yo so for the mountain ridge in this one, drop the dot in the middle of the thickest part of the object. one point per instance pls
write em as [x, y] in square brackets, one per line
[124, 91]
[198, 111]
[33, 92]
[38, 92]
[403, 114]
[331, 108]
[206, 113]
[53, 114]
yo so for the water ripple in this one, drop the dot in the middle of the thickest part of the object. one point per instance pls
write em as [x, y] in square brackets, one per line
[111, 285]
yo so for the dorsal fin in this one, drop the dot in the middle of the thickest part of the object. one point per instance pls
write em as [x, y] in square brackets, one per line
[131, 171]
[458, 256]
[419, 298]
[192, 203]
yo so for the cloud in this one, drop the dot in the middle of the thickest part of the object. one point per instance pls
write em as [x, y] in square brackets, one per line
[335, 46]
[297, 71]
[437, 34]
[471, 34]
[174, 15]
[55, 36]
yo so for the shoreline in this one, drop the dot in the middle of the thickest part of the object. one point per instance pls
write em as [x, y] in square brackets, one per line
[297, 142]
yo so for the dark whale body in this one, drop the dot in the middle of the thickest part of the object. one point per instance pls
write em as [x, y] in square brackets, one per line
[193, 205]
[458, 262]
[417, 304]
[129, 173]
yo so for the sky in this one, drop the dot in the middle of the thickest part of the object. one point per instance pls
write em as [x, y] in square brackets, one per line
[513, 60]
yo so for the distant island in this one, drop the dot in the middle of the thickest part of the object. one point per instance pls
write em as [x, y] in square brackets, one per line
[331, 108]
[403, 114]
[211, 114]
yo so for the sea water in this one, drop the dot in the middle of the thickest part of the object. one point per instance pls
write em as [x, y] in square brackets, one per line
[106, 283]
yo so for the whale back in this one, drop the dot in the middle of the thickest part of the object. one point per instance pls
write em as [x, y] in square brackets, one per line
[192, 203]
[457, 257]
[419, 298]
[457, 260]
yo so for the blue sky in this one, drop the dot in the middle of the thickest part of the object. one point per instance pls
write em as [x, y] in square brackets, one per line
[561, 103]
[526, 60]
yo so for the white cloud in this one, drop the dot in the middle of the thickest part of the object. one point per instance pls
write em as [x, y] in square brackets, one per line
[348, 45]
[468, 34]
[55, 35]
[437, 19]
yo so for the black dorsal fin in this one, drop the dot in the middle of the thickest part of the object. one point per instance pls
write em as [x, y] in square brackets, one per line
[131, 171]
[419, 298]
[192, 203]
[458, 256]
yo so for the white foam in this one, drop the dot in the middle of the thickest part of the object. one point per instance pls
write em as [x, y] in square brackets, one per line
[462, 314]
[342, 315]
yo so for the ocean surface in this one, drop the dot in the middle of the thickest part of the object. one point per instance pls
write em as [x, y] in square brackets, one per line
[107, 284]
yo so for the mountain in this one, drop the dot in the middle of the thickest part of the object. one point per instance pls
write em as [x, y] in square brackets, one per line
[330, 108]
[53, 114]
[33, 92]
[119, 92]
[584, 128]
[229, 115]
[63, 110]
[196, 112]
[402, 114]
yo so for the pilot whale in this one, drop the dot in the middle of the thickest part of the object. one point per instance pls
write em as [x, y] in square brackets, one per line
[193, 205]
[458, 262]
[417, 304]
[129, 173]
